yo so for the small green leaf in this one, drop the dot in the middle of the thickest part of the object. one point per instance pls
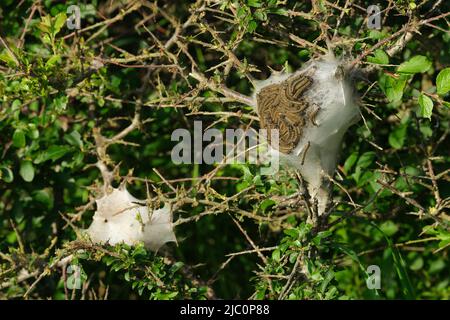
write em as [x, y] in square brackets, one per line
[276, 255]
[254, 3]
[6, 57]
[60, 20]
[45, 197]
[53, 153]
[397, 136]
[176, 266]
[252, 25]
[293, 256]
[45, 24]
[375, 34]
[417, 264]
[365, 178]
[379, 57]
[266, 204]
[293, 233]
[392, 88]
[32, 132]
[42, 27]
[417, 64]
[443, 81]
[27, 171]
[436, 266]
[60, 102]
[141, 290]
[74, 138]
[260, 15]
[425, 106]
[350, 162]
[19, 138]
[389, 228]
[55, 59]
[6, 174]
[328, 277]
[366, 159]
[15, 105]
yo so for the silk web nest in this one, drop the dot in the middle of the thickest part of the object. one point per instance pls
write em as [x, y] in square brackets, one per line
[121, 218]
[311, 108]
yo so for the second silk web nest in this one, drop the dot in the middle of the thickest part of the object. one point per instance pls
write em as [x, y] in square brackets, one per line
[121, 218]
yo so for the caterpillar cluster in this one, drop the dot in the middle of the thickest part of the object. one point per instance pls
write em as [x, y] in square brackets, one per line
[282, 106]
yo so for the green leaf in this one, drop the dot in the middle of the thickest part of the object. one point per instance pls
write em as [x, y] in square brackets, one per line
[366, 159]
[365, 178]
[32, 132]
[45, 24]
[252, 25]
[389, 228]
[324, 234]
[53, 153]
[254, 3]
[6, 174]
[19, 139]
[328, 277]
[392, 88]
[74, 138]
[55, 59]
[374, 184]
[276, 255]
[26, 171]
[60, 20]
[293, 233]
[293, 257]
[443, 234]
[417, 264]
[176, 266]
[425, 106]
[260, 15]
[248, 177]
[379, 57]
[397, 137]
[43, 28]
[266, 204]
[60, 102]
[417, 64]
[443, 81]
[15, 105]
[436, 266]
[44, 196]
[375, 34]
[6, 57]
[350, 162]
